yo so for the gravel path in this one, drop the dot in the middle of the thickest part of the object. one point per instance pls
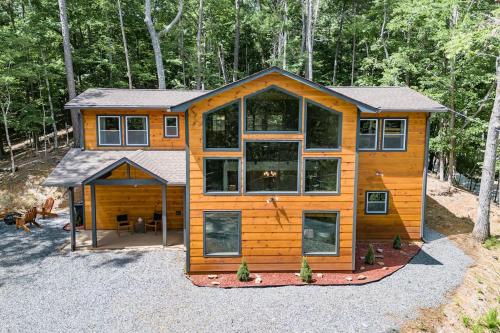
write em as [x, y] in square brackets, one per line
[42, 290]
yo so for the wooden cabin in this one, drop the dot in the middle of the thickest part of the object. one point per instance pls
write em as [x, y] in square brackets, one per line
[269, 168]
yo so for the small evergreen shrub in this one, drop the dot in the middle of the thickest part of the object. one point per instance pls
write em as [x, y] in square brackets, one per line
[370, 256]
[396, 243]
[305, 271]
[243, 273]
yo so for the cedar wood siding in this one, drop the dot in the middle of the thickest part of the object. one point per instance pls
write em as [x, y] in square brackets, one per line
[401, 176]
[140, 201]
[157, 141]
[272, 236]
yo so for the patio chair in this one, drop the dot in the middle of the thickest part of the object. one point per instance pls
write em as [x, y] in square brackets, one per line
[46, 209]
[28, 218]
[123, 223]
[154, 223]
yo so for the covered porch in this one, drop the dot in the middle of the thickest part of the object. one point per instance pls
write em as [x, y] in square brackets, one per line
[136, 200]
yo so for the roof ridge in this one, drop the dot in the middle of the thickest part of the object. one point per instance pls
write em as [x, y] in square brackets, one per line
[149, 89]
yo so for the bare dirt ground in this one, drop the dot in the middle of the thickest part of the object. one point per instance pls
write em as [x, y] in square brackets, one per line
[453, 214]
[22, 189]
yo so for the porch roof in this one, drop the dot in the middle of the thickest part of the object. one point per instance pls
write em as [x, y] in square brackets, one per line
[78, 165]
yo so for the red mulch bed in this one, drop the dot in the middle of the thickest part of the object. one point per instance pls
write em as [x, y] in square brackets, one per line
[392, 261]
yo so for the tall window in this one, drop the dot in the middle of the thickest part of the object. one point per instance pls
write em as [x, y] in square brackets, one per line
[222, 233]
[376, 202]
[320, 233]
[272, 110]
[136, 131]
[221, 175]
[171, 126]
[271, 166]
[109, 130]
[221, 128]
[368, 129]
[394, 134]
[322, 175]
[323, 127]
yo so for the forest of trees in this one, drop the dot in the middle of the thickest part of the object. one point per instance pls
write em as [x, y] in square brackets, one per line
[444, 48]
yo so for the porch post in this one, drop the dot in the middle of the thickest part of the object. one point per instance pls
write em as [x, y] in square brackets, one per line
[71, 204]
[94, 223]
[164, 213]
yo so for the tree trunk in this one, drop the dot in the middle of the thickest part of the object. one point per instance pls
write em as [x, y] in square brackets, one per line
[198, 46]
[155, 39]
[382, 31]
[337, 44]
[236, 40]
[5, 110]
[68, 64]
[353, 54]
[309, 42]
[482, 226]
[285, 33]
[51, 105]
[441, 166]
[125, 47]
[220, 53]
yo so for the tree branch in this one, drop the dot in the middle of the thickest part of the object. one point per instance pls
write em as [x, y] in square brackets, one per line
[176, 19]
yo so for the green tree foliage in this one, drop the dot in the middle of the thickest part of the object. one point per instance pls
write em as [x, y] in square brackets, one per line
[243, 273]
[396, 242]
[370, 255]
[382, 42]
[305, 271]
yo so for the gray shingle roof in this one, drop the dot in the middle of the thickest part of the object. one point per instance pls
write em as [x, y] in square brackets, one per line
[391, 99]
[78, 165]
[131, 98]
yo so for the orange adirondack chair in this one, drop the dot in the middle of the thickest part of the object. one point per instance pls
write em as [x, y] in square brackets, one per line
[28, 218]
[47, 208]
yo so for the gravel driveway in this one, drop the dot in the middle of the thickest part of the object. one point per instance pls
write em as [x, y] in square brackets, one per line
[42, 290]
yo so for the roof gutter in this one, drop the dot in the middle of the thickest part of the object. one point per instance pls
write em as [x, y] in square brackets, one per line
[128, 106]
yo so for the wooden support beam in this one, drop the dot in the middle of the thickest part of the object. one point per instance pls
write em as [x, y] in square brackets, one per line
[164, 213]
[93, 210]
[71, 204]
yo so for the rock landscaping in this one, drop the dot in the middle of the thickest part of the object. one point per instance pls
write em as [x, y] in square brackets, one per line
[393, 260]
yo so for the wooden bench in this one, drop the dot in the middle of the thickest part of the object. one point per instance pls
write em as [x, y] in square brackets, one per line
[28, 218]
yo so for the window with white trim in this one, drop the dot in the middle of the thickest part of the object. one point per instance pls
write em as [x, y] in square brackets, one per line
[136, 133]
[171, 126]
[109, 130]
[376, 202]
[394, 134]
[368, 134]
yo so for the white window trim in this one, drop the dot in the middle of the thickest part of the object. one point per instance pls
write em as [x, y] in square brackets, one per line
[376, 134]
[99, 130]
[386, 201]
[404, 135]
[126, 131]
[176, 126]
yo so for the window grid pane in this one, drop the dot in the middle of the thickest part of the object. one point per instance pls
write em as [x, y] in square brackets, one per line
[376, 202]
[394, 134]
[321, 175]
[323, 128]
[320, 234]
[137, 131]
[109, 130]
[272, 111]
[222, 128]
[171, 127]
[368, 134]
[222, 233]
[221, 175]
[271, 166]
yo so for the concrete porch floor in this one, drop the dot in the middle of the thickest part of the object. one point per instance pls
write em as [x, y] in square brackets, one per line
[109, 239]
